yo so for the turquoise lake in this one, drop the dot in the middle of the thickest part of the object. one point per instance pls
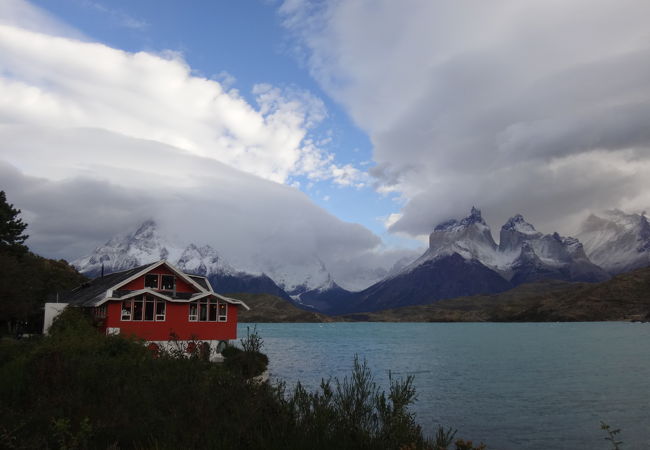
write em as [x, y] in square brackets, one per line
[510, 385]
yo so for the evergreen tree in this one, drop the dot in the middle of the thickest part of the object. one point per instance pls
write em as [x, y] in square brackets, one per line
[12, 238]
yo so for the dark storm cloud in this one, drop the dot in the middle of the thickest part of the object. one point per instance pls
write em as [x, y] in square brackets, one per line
[539, 107]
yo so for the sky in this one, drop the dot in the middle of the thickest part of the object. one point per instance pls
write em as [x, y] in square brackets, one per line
[339, 130]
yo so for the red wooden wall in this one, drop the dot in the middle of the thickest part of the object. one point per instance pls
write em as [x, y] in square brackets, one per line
[176, 321]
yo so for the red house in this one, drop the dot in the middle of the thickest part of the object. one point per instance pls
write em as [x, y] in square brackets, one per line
[154, 302]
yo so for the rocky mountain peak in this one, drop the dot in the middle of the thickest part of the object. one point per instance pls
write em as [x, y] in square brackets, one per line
[474, 217]
[617, 241]
[519, 224]
[527, 256]
[515, 232]
[458, 225]
[470, 237]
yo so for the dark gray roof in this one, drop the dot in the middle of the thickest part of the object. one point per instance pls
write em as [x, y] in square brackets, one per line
[93, 290]
[201, 281]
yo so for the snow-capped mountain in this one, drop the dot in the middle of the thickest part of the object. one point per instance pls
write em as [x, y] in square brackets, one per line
[147, 244]
[203, 261]
[521, 249]
[126, 251]
[463, 259]
[542, 256]
[616, 241]
[308, 282]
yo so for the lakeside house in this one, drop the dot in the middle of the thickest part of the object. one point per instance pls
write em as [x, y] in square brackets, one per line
[154, 302]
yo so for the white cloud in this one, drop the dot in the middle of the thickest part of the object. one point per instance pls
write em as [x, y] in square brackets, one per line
[63, 82]
[78, 199]
[93, 140]
[537, 107]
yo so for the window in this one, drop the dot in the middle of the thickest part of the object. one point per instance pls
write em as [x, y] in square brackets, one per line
[137, 308]
[151, 281]
[213, 312]
[160, 310]
[167, 282]
[149, 306]
[208, 310]
[127, 309]
[144, 308]
[193, 312]
[203, 311]
[223, 312]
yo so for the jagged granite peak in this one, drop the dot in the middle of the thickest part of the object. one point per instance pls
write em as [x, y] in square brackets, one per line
[617, 241]
[470, 237]
[518, 223]
[457, 225]
[521, 249]
[515, 232]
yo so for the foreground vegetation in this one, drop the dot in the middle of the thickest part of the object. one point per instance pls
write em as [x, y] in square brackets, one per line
[79, 389]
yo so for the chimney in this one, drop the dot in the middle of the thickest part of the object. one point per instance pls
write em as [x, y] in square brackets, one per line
[102, 270]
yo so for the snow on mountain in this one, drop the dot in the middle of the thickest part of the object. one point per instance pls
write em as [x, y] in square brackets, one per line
[616, 241]
[470, 237]
[203, 261]
[125, 251]
[147, 244]
[521, 249]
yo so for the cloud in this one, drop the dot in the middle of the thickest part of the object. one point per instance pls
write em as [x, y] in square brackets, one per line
[538, 108]
[64, 82]
[94, 140]
[123, 181]
[22, 14]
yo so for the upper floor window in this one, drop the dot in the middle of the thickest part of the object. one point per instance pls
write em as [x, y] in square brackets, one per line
[167, 282]
[151, 281]
[161, 282]
[208, 310]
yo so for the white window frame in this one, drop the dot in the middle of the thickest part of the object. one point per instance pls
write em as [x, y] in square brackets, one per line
[163, 316]
[193, 317]
[129, 312]
[196, 317]
[222, 317]
[143, 298]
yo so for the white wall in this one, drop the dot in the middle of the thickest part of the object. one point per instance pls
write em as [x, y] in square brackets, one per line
[51, 311]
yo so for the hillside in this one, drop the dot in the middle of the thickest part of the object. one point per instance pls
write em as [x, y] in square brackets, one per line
[269, 308]
[624, 297]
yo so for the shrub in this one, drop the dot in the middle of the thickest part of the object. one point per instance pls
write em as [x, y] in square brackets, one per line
[76, 389]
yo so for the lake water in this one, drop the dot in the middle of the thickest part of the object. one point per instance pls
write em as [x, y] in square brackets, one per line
[512, 386]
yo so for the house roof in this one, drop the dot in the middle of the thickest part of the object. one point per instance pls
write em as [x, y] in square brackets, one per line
[94, 290]
[108, 287]
[202, 281]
